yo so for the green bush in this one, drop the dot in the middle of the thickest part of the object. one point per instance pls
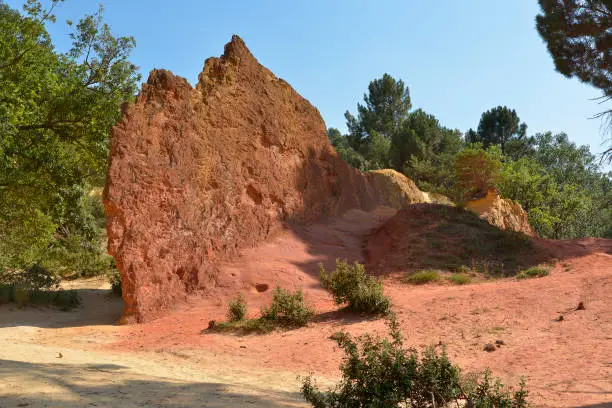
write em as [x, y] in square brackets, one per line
[379, 372]
[533, 272]
[34, 277]
[237, 309]
[423, 277]
[459, 279]
[288, 309]
[463, 269]
[351, 285]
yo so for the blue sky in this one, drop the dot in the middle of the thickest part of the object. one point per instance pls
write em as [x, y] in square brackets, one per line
[459, 58]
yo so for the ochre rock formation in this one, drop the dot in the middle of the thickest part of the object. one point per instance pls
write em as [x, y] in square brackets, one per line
[501, 212]
[196, 174]
[398, 191]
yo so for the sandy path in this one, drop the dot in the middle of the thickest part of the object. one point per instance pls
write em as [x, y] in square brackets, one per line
[33, 375]
[172, 363]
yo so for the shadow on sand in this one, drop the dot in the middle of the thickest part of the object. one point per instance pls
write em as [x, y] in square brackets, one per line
[111, 385]
[98, 307]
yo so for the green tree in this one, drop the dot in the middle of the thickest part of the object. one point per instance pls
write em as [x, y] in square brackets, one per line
[56, 111]
[386, 106]
[498, 126]
[424, 151]
[578, 34]
[561, 188]
[476, 171]
[345, 150]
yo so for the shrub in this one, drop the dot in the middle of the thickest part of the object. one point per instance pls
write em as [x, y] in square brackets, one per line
[459, 279]
[288, 309]
[237, 309]
[34, 277]
[423, 277]
[350, 284]
[463, 269]
[379, 372]
[533, 272]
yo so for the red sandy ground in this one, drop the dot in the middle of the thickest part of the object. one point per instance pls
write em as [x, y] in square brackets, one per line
[566, 363]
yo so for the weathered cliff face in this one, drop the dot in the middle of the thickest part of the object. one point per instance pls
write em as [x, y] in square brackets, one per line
[501, 212]
[196, 174]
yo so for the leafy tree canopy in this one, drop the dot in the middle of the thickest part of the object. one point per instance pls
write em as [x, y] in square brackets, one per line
[56, 111]
[498, 126]
[386, 105]
[578, 34]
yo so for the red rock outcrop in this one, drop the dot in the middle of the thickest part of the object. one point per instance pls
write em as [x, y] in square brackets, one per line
[501, 212]
[196, 174]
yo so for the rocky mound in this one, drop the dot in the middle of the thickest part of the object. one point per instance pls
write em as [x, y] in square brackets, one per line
[398, 191]
[501, 212]
[196, 174]
[425, 236]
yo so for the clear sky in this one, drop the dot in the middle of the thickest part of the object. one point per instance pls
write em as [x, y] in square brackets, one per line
[459, 58]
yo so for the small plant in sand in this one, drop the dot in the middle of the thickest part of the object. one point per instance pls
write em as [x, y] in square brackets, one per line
[380, 372]
[287, 310]
[351, 285]
[423, 277]
[237, 309]
[533, 272]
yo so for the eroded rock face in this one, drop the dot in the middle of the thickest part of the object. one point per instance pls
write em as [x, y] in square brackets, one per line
[501, 212]
[196, 174]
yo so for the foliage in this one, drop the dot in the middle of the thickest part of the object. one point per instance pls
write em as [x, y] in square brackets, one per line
[34, 277]
[476, 171]
[380, 372]
[533, 272]
[560, 187]
[237, 309]
[351, 285]
[578, 36]
[423, 277]
[424, 151]
[459, 279]
[386, 105]
[498, 126]
[56, 111]
[288, 309]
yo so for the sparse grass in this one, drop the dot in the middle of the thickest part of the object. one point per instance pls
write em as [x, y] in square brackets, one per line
[423, 277]
[246, 326]
[459, 279]
[457, 240]
[463, 269]
[533, 272]
[237, 309]
[479, 311]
